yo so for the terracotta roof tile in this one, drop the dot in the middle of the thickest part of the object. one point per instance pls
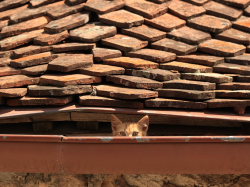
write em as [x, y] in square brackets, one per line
[5, 5]
[5, 61]
[73, 47]
[243, 23]
[35, 70]
[233, 94]
[13, 92]
[236, 3]
[37, 3]
[197, 2]
[102, 70]
[102, 53]
[30, 50]
[4, 23]
[234, 86]
[232, 68]
[247, 11]
[6, 14]
[5, 71]
[49, 39]
[241, 59]
[4, 54]
[208, 77]
[104, 6]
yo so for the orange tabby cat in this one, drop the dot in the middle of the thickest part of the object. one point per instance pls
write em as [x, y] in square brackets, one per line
[129, 129]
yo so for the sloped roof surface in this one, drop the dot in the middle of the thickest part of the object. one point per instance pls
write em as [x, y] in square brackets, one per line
[125, 53]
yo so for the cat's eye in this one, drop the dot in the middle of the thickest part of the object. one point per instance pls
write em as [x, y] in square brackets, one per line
[122, 133]
[135, 133]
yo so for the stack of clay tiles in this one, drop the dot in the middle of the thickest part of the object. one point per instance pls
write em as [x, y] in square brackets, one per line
[156, 54]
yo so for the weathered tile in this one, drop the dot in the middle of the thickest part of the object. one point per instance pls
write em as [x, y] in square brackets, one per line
[156, 74]
[128, 62]
[4, 61]
[67, 23]
[30, 25]
[235, 36]
[38, 101]
[32, 60]
[241, 59]
[121, 18]
[135, 82]
[7, 14]
[5, 71]
[104, 6]
[102, 53]
[102, 70]
[75, 2]
[124, 93]
[166, 22]
[232, 68]
[6, 54]
[50, 39]
[223, 11]
[4, 23]
[73, 47]
[189, 35]
[173, 103]
[200, 58]
[221, 48]
[186, 67]
[12, 42]
[37, 90]
[17, 81]
[64, 10]
[35, 70]
[208, 77]
[152, 55]
[65, 80]
[37, 3]
[124, 42]
[5, 5]
[189, 85]
[92, 32]
[197, 2]
[186, 94]
[243, 23]
[177, 47]
[185, 10]
[145, 32]
[234, 86]
[147, 9]
[243, 78]
[13, 92]
[236, 3]
[209, 23]
[233, 94]
[88, 100]
[30, 50]
[71, 62]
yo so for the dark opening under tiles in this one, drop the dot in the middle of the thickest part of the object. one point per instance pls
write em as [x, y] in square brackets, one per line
[102, 70]
[104, 6]
[73, 47]
[241, 59]
[30, 50]
[243, 78]
[232, 68]
[124, 93]
[234, 86]
[5, 71]
[13, 92]
[2, 101]
[208, 77]
[35, 70]
[88, 100]
[103, 53]
[17, 81]
[75, 2]
[173, 103]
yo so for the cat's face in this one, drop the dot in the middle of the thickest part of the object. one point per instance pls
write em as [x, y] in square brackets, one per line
[129, 129]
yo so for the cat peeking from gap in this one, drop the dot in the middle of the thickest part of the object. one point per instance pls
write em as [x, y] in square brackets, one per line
[129, 129]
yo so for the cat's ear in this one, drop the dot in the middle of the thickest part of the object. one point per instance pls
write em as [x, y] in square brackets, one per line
[115, 122]
[144, 123]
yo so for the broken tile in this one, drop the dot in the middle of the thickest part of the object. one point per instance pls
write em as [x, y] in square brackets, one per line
[145, 32]
[234, 86]
[7, 14]
[13, 92]
[236, 3]
[67, 23]
[173, 103]
[243, 23]
[197, 2]
[50, 39]
[12, 42]
[186, 94]
[88, 100]
[5, 71]
[124, 93]
[71, 62]
[186, 67]
[223, 11]
[166, 22]
[102, 53]
[5, 5]
[233, 94]
[104, 6]
[232, 68]
[135, 82]
[121, 18]
[64, 10]
[92, 32]
[241, 59]
[221, 48]
[65, 80]
[5, 54]
[243, 78]
[36, 90]
[156, 74]
[73, 47]
[17, 81]
[208, 77]
[74, 2]
[37, 3]
[185, 10]
[152, 55]
[189, 85]
[30, 25]
[102, 70]
[128, 62]
[147, 9]
[202, 59]
[189, 35]
[34, 101]
[4, 61]
[177, 47]
[32, 60]
[4, 23]
[30, 50]
[124, 43]
[35, 70]
[209, 23]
